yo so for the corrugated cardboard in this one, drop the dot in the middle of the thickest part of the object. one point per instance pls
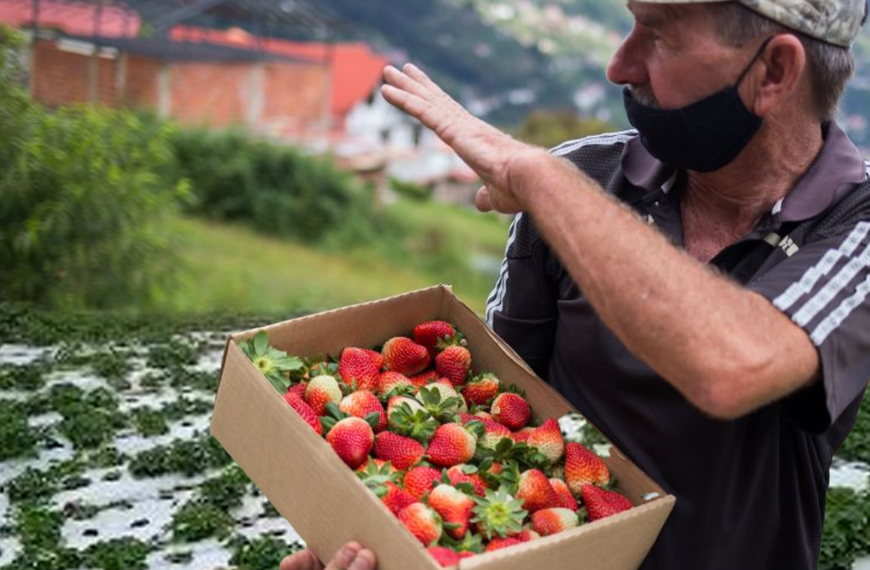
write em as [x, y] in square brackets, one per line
[329, 506]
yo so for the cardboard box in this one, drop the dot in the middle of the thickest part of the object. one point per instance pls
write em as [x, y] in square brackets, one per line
[329, 506]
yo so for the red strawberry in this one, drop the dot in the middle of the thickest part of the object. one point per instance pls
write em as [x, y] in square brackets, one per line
[452, 444]
[454, 506]
[536, 492]
[444, 556]
[403, 452]
[453, 363]
[376, 357]
[527, 535]
[356, 367]
[352, 440]
[566, 499]
[457, 475]
[602, 503]
[401, 354]
[481, 389]
[304, 411]
[430, 333]
[379, 465]
[362, 403]
[483, 415]
[523, 435]
[320, 391]
[420, 480]
[390, 381]
[424, 378]
[298, 389]
[583, 467]
[547, 439]
[511, 410]
[423, 522]
[551, 521]
[499, 543]
[493, 433]
[397, 499]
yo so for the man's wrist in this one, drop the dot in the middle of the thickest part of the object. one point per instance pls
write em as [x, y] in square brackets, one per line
[525, 170]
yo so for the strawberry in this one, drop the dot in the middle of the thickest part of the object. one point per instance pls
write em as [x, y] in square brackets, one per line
[447, 404]
[411, 420]
[420, 480]
[394, 382]
[523, 435]
[430, 333]
[536, 492]
[377, 464]
[511, 410]
[423, 522]
[551, 521]
[467, 474]
[483, 415]
[498, 514]
[451, 445]
[527, 535]
[396, 499]
[548, 441]
[304, 411]
[494, 432]
[362, 403]
[403, 355]
[320, 391]
[357, 368]
[602, 503]
[454, 363]
[298, 389]
[403, 452]
[499, 543]
[454, 507]
[444, 556]
[566, 499]
[480, 390]
[396, 401]
[583, 467]
[424, 378]
[376, 357]
[352, 439]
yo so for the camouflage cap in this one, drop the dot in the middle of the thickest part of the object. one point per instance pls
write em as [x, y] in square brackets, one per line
[833, 21]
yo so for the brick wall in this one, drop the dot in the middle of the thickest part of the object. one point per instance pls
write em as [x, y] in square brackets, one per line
[60, 77]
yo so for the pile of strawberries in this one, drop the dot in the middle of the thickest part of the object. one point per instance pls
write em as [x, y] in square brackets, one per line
[455, 456]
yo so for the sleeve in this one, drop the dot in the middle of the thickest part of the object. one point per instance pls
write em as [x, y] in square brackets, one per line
[522, 307]
[824, 287]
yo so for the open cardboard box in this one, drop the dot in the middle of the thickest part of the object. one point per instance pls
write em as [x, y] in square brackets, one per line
[329, 506]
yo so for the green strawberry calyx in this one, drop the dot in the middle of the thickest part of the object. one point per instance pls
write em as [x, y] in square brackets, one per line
[274, 364]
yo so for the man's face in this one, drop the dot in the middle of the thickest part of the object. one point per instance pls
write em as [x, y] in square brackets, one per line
[673, 56]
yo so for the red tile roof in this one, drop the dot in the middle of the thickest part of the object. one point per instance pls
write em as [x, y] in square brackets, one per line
[75, 18]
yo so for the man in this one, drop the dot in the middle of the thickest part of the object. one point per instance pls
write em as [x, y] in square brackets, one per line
[700, 289]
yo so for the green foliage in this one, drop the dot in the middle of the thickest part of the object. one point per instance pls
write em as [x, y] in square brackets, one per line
[16, 438]
[91, 420]
[846, 533]
[172, 354]
[226, 491]
[263, 553]
[110, 363]
[550, 128]
[38, 527]
[150, 422]
[857, 445]
[411, 191]
[270, 361]
[117, 554]
[200, 520]
[26, 377]
[187, 457]
[33, 485]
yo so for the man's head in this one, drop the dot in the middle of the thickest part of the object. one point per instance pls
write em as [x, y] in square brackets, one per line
[682, 50]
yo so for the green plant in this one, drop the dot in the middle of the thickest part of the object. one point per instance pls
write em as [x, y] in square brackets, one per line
[410, 190]
[263, 553]
[225, 491]
[846, 533]
[150, 422]
[172, 354]
[16, 437]
[117, 554]
[199, 520]
[186, 457]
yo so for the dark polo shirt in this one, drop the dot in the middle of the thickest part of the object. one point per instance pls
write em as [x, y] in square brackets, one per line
[750, 492]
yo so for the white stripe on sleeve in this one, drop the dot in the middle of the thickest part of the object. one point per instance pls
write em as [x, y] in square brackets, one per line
[832, 288]
[841, 313]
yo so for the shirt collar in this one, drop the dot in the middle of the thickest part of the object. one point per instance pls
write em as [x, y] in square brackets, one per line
[836, 170]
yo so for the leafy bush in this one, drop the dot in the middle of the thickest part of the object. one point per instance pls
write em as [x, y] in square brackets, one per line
[199, 520]
[847, 529]
[16, 439]
[117, 554]
[263, 553]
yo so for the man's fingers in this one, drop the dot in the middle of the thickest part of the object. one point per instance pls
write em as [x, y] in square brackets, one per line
[401, 80]
[303, 560]
[346, 557]
[482, 199]
[365, 560]
[418, 75]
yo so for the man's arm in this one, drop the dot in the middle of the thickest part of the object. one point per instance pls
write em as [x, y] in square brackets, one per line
[728, 350]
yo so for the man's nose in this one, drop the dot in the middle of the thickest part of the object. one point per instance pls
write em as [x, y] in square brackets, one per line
[628, 64]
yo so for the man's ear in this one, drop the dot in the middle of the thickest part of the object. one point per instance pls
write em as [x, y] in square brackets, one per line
[777, 76]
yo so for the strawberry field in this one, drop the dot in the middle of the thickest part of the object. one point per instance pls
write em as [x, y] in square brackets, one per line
[106, 461]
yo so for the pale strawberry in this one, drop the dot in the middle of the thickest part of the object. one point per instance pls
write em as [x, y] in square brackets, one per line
[454, 506]
[396, 401]
[583, 467]
[394, 382]
[403, 452]
[352, 439]
[499, 543]
[444, 556]
[547, 439]
[430, 333]
[484, 415]
[551, 521]
[396, 499]
[357, 368]
[403, 355]
[304, 411]
[511, 410]
[566, 499]
[454, 363]
[601, 503]
[523, 435]
[535, 491]
[446, 390]
[423, 522]
[527, 535]
[420, 480]
[424, 378]
[451, 445]
[467, 474]
[362, 403]
[376, 357]
[481, 390]
[320, 391]
[493, 433]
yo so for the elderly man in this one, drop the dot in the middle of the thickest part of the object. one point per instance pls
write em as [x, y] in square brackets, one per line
[699, 287]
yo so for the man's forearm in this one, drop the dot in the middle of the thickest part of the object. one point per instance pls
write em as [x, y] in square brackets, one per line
[728, 350]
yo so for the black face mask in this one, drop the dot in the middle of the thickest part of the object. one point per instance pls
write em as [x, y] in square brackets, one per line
[704, 136]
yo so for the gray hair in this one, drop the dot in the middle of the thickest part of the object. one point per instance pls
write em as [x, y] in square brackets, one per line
[830, 67]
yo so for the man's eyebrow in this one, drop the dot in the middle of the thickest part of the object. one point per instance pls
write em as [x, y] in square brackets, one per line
[655, 18]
